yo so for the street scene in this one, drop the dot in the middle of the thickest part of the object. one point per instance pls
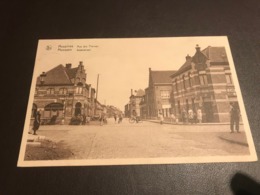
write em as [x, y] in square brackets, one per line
[123, 99]
[140, 140]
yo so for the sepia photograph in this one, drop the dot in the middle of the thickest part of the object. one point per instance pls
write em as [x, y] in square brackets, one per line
[127, 101]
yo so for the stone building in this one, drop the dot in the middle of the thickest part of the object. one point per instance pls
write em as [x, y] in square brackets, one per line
[204, 81]
[62, 92]
[158, 95]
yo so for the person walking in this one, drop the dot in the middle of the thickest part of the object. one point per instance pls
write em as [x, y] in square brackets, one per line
[234, 117]
[37, 122]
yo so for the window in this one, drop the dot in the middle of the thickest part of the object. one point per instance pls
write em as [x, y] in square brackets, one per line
[229, 79]
[190, 83]
[165, 94]
[183, 78]
[63, 91]
[176, 85]
[203, 79]
[50, 91]
[79, 90]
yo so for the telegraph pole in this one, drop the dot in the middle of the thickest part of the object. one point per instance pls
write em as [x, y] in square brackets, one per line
[96, 95]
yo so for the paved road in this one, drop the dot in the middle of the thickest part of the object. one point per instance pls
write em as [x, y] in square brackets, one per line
[146, 140]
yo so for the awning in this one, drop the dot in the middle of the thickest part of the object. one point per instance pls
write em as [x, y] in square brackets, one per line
[54, 106]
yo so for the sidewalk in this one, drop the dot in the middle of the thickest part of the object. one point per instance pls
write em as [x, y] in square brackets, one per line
[180, 123]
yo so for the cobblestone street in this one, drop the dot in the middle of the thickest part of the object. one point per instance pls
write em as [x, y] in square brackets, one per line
[146, 140]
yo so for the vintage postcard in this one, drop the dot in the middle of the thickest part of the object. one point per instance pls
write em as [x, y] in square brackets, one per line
[135, 101]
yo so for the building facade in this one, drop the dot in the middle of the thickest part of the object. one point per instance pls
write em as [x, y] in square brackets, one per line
[62, 93]
[134, 103]
[158, 95]
[204, 82]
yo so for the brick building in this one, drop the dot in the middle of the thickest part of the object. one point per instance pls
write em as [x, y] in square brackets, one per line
[63, 92]
[204, 81]
[158, 95]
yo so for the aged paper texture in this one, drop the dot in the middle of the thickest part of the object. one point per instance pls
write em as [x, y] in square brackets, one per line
[135, 101]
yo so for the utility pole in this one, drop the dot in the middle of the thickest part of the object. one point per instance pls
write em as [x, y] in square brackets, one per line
[96, 94]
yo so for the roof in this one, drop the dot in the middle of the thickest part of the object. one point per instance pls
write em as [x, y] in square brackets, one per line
[216, 55]
[59, 76]
[140, 92]
[162, 76]
[71, 72]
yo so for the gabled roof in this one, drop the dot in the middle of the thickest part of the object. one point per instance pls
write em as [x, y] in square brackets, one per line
[59, 76]
[162, 76]
[215, 54]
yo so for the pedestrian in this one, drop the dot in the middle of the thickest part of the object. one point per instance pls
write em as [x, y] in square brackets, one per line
[173, 118]
[190, 116]
[120, 118]
[195, 120]
[199, 115]
[184, 115]
[101, 118]
[135, 116]
[84, 119]
[37, 121]
[115, 117]
[161, 118]
[234, 117]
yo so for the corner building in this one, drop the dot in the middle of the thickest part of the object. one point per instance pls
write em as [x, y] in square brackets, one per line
[204, 81]
[62, 91]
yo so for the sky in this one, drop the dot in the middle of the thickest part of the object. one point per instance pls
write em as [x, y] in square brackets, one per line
[122, 64]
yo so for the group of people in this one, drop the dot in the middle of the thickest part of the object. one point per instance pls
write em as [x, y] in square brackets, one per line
[191, 116]
[186, 117]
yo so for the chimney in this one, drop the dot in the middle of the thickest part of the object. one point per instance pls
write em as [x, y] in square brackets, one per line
[188, 57]
[80, 63]
[150, 69]
[68, 66]
[131, 91]
[197, 48]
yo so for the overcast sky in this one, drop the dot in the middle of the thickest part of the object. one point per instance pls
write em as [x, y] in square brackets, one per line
[121, 63]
